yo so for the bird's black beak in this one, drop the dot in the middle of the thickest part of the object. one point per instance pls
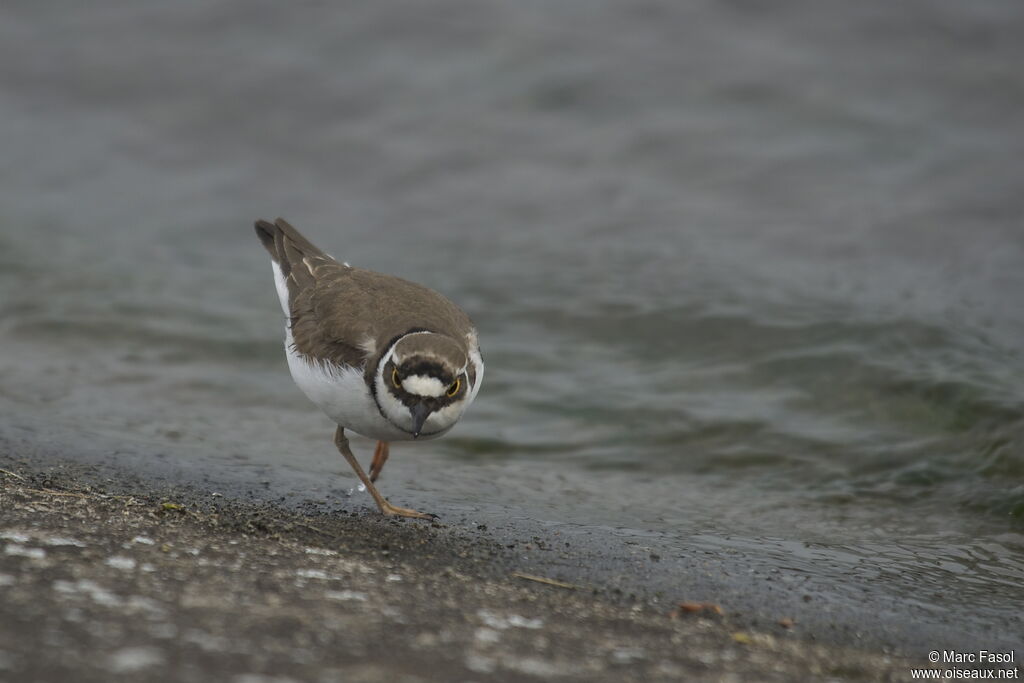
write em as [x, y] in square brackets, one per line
[420, 412]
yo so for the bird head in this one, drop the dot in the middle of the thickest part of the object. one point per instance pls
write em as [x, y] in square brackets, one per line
[423, 383]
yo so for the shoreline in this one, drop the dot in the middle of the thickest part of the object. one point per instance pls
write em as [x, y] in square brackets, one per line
[111, 578]
[748, 577]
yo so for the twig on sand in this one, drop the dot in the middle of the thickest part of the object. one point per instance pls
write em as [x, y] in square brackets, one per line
[546, 581]
[12, 474]
[310, 527]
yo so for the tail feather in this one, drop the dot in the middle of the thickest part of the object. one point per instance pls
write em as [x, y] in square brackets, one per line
[295, 260]
[265, 231]
[286, 245]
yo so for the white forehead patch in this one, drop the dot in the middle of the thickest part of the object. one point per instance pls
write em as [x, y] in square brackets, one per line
[423, 386]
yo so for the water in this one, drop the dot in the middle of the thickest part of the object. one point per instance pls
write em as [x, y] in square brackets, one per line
[747, 281]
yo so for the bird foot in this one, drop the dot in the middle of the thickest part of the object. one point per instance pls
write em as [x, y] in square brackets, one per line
[394, 511]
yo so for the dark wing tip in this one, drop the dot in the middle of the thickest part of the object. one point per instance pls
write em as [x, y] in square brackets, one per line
[268, 234]
[286, 244]
[265, 231]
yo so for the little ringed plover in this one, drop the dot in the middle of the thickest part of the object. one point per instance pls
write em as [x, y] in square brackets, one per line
[381, 356]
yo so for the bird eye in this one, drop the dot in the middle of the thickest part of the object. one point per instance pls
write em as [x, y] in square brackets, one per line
[454, 387]
[394, 378]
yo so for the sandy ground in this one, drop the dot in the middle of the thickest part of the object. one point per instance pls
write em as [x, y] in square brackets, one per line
[162, 585]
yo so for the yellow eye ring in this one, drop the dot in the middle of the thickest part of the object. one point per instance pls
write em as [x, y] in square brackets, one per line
[454, 388]
[394, 378]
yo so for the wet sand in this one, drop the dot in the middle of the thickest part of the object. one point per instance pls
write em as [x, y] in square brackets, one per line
[105, 579]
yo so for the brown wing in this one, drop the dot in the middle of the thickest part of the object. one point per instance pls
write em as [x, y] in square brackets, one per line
[349, 315]
[306, 268]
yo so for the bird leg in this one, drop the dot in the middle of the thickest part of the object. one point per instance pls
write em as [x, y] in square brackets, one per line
[380, 456]
[341, 441]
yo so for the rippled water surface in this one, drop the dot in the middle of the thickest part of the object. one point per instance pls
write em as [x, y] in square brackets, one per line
[743, 277]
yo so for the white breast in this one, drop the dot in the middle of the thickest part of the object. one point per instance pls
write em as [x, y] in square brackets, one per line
[342, 394]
